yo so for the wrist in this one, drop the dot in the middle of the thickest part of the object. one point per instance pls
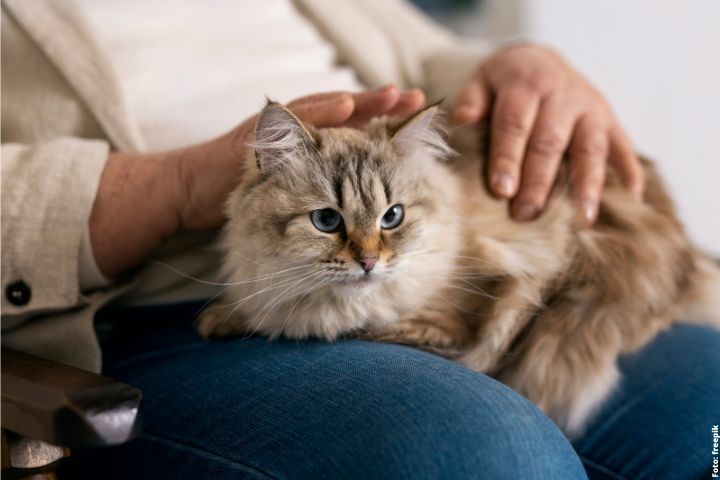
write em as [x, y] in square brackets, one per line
[202, 177]
[144, 199]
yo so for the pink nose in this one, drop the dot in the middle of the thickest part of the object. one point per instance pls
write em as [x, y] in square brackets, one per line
[368, 263]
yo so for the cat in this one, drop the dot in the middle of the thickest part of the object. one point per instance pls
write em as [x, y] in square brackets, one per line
[389, 233]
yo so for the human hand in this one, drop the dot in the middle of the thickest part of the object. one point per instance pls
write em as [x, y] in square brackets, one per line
[540, 108]
[211, 173]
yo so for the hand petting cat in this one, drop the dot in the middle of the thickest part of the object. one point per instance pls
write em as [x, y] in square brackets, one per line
[540, 106]
[541, 109]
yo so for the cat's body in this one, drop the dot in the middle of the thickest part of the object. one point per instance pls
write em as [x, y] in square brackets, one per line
[546, 306]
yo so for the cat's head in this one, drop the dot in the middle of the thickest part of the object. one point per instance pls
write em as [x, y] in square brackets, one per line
[354, 207]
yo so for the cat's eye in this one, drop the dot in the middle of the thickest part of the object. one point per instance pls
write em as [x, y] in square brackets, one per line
[326, 220]
[393, 217]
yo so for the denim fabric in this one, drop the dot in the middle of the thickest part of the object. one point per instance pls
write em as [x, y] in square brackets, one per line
[658, 423]
[256, 409]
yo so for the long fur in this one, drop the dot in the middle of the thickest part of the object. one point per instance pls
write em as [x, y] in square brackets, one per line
[546, 307]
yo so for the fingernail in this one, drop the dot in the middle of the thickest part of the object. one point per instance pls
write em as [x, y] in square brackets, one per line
[503, 184]
[464, 112]
[588, 207]
[411, 93]
[383, 88]
[526, 212]
[637, 195]
[337, 100]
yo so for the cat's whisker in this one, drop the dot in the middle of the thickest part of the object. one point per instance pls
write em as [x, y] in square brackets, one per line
[482, 261]
[480, 291]
[461, 270]
[227, 284]
[188, 276]
[272, 275]
[316, 286]
[204, 305]
[268, 309]
[267, 277]
[475, 290]
[256, 261]
[456, 306]
[237, 304]
[272, 286]
[417, 252]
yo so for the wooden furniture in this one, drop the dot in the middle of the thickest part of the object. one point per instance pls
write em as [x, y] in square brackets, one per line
[49, 408]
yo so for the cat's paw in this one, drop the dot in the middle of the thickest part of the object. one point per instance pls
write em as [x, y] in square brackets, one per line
[218, 322]
[419, 333]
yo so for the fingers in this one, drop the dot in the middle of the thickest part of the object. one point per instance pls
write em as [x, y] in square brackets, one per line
[550, 137]
[409, 102]
[472, 102]
[512, 120]
[316, 98]
[333, 109]
[588, 156]
[624, 159]
[377, 101]
[326, 112]
[539, 107]
[387, 100]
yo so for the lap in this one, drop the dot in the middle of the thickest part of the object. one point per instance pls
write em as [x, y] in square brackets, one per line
[284, 409]
[258, 409]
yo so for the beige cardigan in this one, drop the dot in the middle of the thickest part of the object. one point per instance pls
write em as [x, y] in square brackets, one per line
[62, 111]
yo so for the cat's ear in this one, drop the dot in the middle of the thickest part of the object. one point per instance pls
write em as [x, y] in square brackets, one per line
[422, 132]
[281, 139]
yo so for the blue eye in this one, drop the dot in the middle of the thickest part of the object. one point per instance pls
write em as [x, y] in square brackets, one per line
[326, 220]
[393, 217]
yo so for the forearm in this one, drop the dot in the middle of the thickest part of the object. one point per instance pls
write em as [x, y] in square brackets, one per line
[144, 199]
[133, 211]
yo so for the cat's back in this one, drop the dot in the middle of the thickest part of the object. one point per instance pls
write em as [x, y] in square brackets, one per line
[636, 251]
[507, 247]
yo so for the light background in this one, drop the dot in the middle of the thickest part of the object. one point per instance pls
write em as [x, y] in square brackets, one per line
[657, 61]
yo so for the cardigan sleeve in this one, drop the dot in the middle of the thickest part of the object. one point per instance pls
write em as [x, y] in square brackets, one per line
[48, 190]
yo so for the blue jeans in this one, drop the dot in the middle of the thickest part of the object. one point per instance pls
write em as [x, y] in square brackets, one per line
[256, 409]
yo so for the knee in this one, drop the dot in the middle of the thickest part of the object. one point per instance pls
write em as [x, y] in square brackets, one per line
[432, 418]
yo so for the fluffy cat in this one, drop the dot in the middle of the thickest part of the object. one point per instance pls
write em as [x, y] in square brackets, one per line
[387, 233]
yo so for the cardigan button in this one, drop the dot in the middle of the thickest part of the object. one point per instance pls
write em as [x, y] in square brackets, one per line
[18, 293]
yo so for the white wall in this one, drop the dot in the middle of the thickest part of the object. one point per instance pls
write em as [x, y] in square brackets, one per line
[658, 62]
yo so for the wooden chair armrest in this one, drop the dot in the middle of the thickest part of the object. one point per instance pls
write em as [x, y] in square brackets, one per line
[64, 405]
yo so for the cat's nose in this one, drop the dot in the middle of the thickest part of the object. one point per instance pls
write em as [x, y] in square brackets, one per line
[368, 263]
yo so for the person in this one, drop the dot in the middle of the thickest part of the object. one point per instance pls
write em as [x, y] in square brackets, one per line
[87, 207]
